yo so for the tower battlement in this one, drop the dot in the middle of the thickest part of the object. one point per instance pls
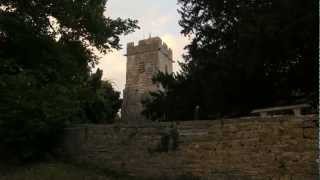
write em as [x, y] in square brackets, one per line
[148, 45]
[144, 60]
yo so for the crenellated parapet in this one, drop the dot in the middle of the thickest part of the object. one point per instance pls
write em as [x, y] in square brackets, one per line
[149, 45]
[144, 60]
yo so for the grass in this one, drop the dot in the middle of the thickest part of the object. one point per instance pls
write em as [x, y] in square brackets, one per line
[66, 171]
[55, 171]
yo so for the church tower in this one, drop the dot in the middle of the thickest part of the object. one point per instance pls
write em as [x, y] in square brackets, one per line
[143, 61]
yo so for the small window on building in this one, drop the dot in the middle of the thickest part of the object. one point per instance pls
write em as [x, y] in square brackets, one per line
[166, 69]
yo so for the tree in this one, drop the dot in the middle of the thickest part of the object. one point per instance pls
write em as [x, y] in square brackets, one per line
[103, 102]
[247, 54]
[47, 52]
[169, 103]
[250, 54]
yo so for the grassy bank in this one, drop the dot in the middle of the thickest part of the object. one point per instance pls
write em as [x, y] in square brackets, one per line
[56, 171]
[67, 171]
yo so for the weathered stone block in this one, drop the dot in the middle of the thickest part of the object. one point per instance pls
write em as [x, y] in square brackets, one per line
[240, 149]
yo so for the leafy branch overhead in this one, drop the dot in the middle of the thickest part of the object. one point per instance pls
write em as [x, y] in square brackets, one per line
[73, 20]
[47, 51]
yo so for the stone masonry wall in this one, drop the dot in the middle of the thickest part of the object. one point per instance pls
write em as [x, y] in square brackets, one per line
[283, 147]
[144, 60]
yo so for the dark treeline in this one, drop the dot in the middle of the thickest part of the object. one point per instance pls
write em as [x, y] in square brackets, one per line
[244, 54]
[46, 80]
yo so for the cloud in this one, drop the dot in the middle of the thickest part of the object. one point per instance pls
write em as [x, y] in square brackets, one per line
[114, 64]
[177, 44]
[161, 22]
[114, 69]
[159, 18]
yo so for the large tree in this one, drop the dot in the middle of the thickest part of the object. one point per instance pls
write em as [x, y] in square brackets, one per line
[47, 50]
[102, 102]
[248, 54]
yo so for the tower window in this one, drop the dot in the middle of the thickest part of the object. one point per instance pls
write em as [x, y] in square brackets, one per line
[166, 69]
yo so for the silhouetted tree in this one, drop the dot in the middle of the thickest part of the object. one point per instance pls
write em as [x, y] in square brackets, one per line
[103, 102]
[247, 54]
[46, 53]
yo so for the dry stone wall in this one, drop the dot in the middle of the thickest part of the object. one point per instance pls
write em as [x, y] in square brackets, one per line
[283, 147]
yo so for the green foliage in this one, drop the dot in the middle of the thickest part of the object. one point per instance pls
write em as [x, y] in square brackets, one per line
[103, 102]
[247, 54]
[46, 53]
[169, 104]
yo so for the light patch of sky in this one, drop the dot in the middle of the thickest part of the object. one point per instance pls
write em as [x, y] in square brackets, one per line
[158, 18]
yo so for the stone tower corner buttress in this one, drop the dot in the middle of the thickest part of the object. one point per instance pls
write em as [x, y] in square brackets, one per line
[144, 60]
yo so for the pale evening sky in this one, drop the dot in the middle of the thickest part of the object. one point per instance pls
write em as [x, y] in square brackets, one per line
[158, 18]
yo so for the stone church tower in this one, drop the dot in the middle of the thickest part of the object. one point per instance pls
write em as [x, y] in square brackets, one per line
[143, 62]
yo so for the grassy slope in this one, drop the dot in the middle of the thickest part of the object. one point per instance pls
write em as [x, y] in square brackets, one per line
[65, 171]
[56, 171]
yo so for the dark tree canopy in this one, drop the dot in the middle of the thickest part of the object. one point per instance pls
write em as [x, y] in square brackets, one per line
[102, 101]
[46, 53]
[247, 54]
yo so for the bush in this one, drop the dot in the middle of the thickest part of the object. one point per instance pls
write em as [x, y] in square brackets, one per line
[32, 119]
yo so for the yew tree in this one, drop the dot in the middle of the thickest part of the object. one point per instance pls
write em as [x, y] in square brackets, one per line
[244, 54]
[248, 54]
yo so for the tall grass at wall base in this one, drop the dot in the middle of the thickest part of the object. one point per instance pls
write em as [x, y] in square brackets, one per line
[66, 171]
